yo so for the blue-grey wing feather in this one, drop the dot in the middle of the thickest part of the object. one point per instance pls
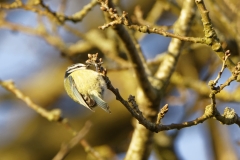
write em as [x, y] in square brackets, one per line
[77, 95]
[101, 103]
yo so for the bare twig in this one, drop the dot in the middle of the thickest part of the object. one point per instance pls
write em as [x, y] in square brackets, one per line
[141, 149]
[135, 59]
[54, 115]
[166, 68]
[210, 33]
[212, 83]
[148, 124]
[210, 110]
[210, 38]
[225, 57]
[66, 148]
[46, 10]
[162, 113]
[90, 150]
[202, 88]
[39, 31]
[229, 25]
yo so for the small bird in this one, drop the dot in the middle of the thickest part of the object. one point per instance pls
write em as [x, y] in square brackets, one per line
[85, 86]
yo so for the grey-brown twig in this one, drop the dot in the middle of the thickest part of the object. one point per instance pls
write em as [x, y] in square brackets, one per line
[66, 148]
[54, 115]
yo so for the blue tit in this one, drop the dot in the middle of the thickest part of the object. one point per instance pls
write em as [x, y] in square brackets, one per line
[85, 86]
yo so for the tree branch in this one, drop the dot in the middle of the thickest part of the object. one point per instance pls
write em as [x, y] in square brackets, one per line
[66, 148]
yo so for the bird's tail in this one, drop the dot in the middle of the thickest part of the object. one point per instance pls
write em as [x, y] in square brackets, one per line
[101, 103]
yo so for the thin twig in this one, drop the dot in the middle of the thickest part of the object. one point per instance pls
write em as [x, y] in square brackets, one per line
[210, 33]
[47, 11]
[162, 113]
[133, 54]
[66, 148]
[90, 150]
[53, 115]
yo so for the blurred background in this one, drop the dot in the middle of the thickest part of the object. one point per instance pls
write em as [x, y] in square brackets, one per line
[35, 52]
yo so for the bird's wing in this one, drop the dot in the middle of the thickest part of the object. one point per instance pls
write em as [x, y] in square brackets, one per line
[96, 96]
[77, 95]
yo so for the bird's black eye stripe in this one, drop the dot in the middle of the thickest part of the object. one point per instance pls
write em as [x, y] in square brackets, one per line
[67, 74]
[74, 67]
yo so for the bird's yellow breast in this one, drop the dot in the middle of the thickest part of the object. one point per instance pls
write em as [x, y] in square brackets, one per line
[85, 81]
